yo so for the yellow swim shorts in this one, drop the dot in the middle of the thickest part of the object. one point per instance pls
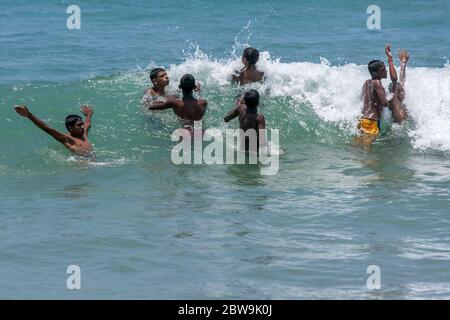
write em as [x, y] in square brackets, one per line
[369, 126]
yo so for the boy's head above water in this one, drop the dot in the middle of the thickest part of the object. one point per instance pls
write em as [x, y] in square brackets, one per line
[75, 126]
[159, 77]
[377, 69]
[251, 99]
[250, 56]
[187, 83]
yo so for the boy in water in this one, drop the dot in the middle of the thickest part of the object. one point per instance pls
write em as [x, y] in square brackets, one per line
[160, 80]
[249, 119]
[396, 105]
[77, 139]
[188, 109]
[374, 99]
[249, 73]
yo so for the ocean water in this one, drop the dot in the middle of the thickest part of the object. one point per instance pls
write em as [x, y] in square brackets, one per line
[139, 226]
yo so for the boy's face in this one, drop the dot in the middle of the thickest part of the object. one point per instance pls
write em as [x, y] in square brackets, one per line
[162, 79]
[382, 73]
[77, 130]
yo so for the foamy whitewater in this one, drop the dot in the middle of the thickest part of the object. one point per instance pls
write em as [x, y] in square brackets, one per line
[139, 226]
[334, 92]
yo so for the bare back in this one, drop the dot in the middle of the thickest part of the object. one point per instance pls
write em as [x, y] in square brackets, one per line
[247, 118]
[190, 109]
[249, 76]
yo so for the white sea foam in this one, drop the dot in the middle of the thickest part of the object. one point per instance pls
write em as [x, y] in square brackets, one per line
[334, 92]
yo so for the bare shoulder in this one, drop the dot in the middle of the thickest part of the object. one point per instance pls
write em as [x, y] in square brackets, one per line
[149, 92]
[173, 99]
[68, 139]
[202, 102]
[377, 83]
[242, 107]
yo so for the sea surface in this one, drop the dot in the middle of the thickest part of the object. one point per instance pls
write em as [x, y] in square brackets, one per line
[141, 227]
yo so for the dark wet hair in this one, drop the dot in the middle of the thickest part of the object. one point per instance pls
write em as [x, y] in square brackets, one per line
[187, 83]
[154, 73]
[251, 98]
[72, 120]
[251, 55]
[374, 66]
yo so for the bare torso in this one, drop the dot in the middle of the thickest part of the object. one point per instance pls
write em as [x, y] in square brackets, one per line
[372, 106]
[78, 146]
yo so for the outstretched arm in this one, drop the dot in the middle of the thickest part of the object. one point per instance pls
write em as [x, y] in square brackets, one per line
[61, 137]
[88, 112]
[403, 55]
[392, 71]
[233, 113]
[162, 105]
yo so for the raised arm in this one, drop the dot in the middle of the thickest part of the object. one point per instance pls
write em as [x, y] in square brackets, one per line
[392, 71]
[403, 55]
[233, 113]
[61, 137]
[88, 111]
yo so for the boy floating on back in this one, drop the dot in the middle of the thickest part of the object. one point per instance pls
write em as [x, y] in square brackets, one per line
[77, 139]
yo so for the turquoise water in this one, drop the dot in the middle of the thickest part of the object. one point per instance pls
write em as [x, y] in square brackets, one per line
[141, 227]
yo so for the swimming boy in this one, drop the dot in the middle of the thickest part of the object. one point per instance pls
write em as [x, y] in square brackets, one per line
[188, 108]
[396, 105]
[249, 73]
[77, 139]
[249, 119]
[374, 99]
[160, 80]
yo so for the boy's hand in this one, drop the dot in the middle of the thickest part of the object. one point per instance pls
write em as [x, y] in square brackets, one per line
[23, 111]
[387, 49]
[403, 55]
[198, 86]
[86, 110]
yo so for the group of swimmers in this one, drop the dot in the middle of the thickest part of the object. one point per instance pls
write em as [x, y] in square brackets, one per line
[190, 109]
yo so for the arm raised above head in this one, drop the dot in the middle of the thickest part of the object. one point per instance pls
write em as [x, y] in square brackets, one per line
[61, 137]
[88, 111]
[392, 71]
[403, 55]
